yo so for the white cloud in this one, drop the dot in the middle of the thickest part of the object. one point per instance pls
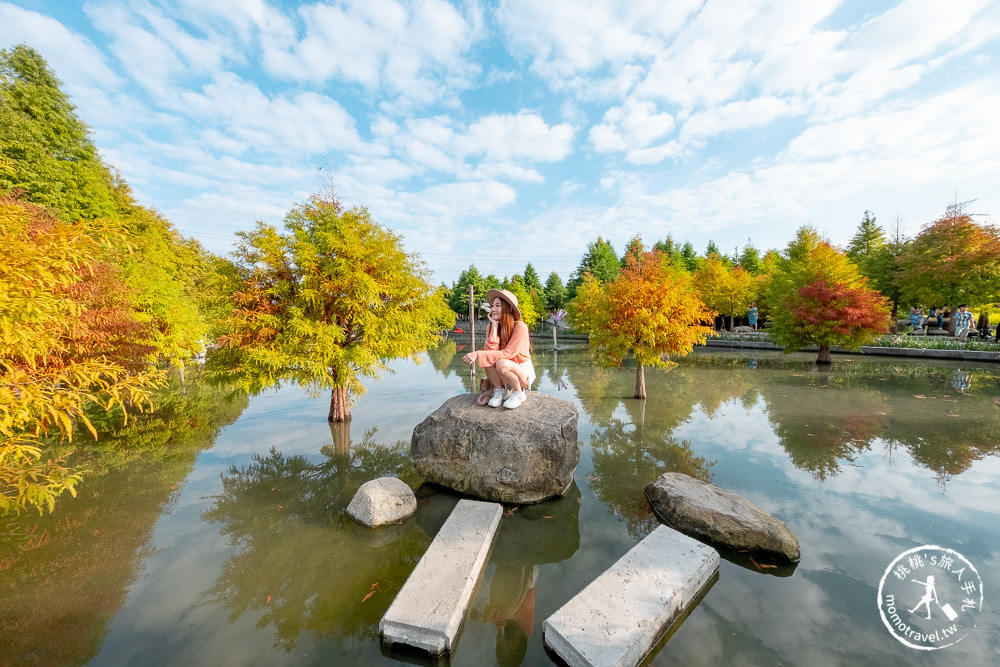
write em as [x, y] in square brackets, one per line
[401, 47]
[563, 38]
[523, 135]
[150, 60]
[450, 118]
[739, 115]
[74, 59]
[655, 154]
[632, 126]
[307, 123]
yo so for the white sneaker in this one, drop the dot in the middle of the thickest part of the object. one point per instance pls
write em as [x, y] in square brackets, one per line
[515, 400]
[497, 398]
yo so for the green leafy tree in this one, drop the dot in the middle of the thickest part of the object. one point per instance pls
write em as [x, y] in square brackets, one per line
[46, 154]
[952, 261]
[690, 257]
[177, 285]
[527, 302]
[671, 249]
[555, 293]
[750, 259]
[458, 300]
[869, 238]
[821, 299]
[530, 279]
[333, 298]
[876, 257]
[600, 261]
[651, 310]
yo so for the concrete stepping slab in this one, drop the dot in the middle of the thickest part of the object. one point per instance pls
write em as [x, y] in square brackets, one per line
[427, 613]
[619, 617]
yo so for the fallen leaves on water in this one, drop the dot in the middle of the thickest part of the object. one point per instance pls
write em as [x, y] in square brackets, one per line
[546, 516]
[371, 592]
[591, 478]
[511, 511]
[760, 566]
[919, 396]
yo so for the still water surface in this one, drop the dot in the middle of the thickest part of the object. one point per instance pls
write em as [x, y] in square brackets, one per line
[223, 540]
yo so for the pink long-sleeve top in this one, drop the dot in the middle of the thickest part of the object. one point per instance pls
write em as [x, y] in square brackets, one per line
[518, 347]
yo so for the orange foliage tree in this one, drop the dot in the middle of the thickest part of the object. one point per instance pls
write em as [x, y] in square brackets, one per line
[821, 299]
[952, 261]
[651, 310]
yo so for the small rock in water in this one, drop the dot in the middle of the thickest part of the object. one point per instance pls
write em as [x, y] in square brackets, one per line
[382, 501]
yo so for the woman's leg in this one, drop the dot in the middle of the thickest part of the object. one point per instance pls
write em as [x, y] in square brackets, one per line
[493, 381]
[514, 376]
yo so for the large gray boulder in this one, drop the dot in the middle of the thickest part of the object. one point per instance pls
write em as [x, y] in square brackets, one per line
[518, 456]
[705, 511]
[382, 501]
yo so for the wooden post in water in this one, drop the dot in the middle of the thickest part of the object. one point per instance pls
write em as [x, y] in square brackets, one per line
[472, 335]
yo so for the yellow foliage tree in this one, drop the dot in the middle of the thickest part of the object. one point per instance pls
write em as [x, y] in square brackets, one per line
[68, 340]
[728, 291]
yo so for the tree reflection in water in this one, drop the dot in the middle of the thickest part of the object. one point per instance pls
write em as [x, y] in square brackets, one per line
[302, 564]
[65, 575]
[632, 443]
[821, 423]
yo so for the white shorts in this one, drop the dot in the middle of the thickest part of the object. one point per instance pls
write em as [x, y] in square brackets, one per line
[529, 372]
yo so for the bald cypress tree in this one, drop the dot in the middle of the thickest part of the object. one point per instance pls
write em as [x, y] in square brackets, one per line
[46, 154]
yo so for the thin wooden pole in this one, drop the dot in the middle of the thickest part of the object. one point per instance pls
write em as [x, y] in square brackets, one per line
[472, 317]
[472, 334]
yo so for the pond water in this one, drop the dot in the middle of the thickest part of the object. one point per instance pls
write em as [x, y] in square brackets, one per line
[222, 540]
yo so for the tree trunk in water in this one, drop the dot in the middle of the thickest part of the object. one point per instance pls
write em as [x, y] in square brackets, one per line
[640, 382]
[824, 355]
[341, 434]
[340, 409]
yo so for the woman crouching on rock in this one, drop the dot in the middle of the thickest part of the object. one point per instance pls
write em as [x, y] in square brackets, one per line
[506, 358]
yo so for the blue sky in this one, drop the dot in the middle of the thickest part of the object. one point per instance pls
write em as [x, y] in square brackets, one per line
[499, 133]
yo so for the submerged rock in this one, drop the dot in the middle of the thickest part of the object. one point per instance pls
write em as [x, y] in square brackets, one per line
[382, 501]
[705, 511]
[511, 456]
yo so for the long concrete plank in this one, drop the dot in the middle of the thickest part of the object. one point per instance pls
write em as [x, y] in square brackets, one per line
[427, 613]
[618, 618]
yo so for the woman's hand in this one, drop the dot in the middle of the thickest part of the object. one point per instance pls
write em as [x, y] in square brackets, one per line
[469, 358]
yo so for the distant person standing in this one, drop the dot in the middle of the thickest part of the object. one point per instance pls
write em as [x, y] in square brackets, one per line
[963, 322]
[983, 324]
[936, 314]
[752, 315]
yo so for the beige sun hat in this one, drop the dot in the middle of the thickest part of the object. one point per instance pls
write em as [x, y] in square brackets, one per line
[507, 296]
